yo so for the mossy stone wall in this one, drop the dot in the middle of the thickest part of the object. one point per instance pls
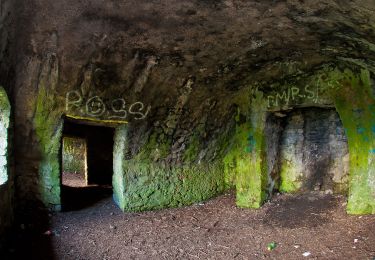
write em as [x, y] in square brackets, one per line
[145, 182]
[351, 94]
[48, 125]
[150, 180]
[356, 105]
[245, 162]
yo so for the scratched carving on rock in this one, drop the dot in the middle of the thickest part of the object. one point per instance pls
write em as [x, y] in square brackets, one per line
[95, 106]
[292, 94]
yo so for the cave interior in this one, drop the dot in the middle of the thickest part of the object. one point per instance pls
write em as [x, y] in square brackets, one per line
[168, 104]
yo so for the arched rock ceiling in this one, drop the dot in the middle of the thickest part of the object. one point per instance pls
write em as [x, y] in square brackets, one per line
[192, 61]
[153, 47]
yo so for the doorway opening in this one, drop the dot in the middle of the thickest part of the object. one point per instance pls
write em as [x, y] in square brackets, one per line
[87, 164]
[307, 150]
[74, 162]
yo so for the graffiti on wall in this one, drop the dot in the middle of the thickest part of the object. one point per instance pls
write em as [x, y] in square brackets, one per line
[251, 143]
[292, 94]
[96, 106]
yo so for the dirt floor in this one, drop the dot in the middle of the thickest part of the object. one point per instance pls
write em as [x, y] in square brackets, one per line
[73, 179]
[313, 224]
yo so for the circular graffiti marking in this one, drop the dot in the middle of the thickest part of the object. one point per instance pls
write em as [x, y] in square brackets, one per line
[95, 106]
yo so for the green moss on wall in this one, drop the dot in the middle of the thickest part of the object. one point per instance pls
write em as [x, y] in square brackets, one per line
[244, 164]
[230, 166]
[151, 186]
[145, 182]
[156, 148]
[48, 127]
[355, 104]
[4, 107]
[290, 177]
[236, 149]
[351, 94]
[249, 178]
[191, 152]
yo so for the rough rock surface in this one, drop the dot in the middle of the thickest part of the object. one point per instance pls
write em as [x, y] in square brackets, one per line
[307, 150]
[314, 140]
[181, 73]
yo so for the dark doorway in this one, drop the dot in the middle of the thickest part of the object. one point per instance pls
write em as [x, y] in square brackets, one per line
[87, 164]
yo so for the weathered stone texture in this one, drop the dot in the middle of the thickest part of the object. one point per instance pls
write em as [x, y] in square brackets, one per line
[314, 152]
[184, 75]
[291, 155]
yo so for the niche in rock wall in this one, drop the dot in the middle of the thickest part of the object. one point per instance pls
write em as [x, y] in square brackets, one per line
[307, 149]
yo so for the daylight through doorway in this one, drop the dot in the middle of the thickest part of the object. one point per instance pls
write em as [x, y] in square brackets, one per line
[87, 164]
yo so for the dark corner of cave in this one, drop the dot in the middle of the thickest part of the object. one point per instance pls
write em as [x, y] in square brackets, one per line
[197, 129]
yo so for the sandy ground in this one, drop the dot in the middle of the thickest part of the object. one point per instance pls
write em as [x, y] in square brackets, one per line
[311, 223]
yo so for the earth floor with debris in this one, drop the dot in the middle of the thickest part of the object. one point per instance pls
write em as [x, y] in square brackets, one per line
[305, 226]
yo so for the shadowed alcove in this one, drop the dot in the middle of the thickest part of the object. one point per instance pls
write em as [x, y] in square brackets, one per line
[307, 150]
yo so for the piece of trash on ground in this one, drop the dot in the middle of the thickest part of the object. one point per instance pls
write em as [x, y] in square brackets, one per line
[271, 246]
[306, 254]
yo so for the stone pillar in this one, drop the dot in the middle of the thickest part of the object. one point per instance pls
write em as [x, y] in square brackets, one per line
[356, 106]
[118, 181]
[251, 162]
